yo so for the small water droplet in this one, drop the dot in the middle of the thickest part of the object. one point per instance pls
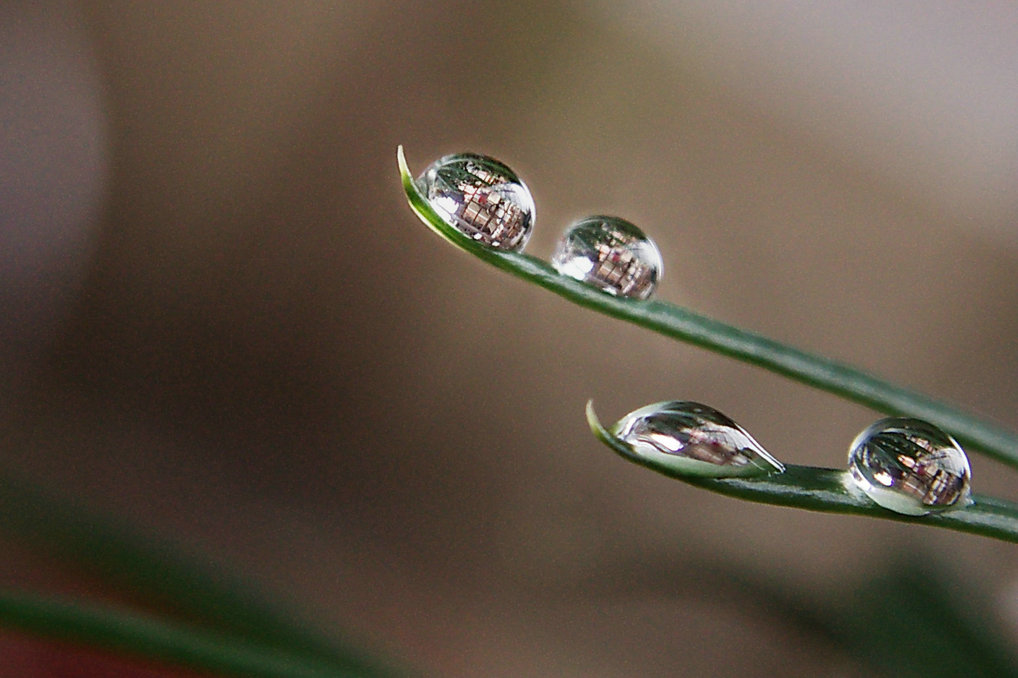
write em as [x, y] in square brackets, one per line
[910, 466]
[612, 254]
[480, 197]
[693, 439]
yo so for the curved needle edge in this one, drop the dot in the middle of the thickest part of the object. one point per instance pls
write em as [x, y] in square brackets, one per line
[433, 220]
[521, 265]
[826, 490]
[679, 323]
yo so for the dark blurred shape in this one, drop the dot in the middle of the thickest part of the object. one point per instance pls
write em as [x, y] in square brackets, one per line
[909, 617]
[53, 171]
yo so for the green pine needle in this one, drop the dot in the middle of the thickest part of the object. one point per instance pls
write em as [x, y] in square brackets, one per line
[683, 324]
[811, 488]
[829, 490]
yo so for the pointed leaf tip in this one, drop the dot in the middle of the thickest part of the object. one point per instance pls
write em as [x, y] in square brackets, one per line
[595, 424]
[401, 160]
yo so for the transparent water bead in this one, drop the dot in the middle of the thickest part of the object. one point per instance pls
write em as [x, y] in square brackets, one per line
[910, 466]
[693, 439]
[480, 197]
[610, 253]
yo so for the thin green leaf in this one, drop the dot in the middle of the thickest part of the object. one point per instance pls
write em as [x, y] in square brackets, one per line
[680, 323]
[165, 574]
[827, 490]
[144, 637]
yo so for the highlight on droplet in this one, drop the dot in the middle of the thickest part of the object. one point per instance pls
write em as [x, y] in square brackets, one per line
[910, 466]
[686, 438]
[612, 254]
[480, 197]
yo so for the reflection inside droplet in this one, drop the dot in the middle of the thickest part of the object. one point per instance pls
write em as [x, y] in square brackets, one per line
[612, 254]
[910, 466]
[693, 439]
[481, 198]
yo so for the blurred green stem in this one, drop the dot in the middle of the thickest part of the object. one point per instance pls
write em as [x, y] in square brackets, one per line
[163, 574]
[132, 634]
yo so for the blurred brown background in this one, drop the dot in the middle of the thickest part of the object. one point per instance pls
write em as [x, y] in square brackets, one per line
[221, 320]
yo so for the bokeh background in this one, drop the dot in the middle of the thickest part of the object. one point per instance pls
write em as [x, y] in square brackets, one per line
[221, 322]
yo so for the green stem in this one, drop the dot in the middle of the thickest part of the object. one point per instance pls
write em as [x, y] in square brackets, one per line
[122, 632]
[160, 572]
[680, 323]
[827, 490]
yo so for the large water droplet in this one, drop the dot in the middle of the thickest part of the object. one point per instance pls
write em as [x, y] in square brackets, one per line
[480, 197]
[693, 439]
[610, 253]
[910, 466]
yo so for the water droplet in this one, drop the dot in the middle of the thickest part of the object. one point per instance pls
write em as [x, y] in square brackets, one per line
[480, 197]
[910, 466]
[610, 253]
[693, 439]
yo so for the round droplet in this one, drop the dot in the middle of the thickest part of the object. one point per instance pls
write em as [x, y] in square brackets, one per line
[910, 466]
[693, 439]
[612, 254]
[480, 197]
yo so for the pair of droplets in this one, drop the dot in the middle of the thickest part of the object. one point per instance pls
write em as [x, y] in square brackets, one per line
[906, 465]
[486, 201]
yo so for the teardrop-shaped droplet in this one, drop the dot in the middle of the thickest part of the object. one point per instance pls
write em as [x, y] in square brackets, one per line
[693, 439]
[612, 254]
[480, 197]
[910, 466]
